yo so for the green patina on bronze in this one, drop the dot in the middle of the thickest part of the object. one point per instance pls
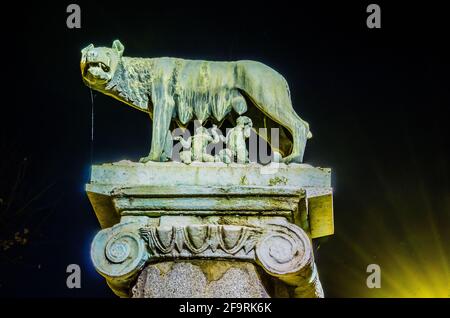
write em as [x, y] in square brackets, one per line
[174, 90]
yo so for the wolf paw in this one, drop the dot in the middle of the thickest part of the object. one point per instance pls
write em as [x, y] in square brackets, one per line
[292, 158]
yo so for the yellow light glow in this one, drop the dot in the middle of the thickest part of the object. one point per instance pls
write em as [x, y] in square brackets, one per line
[405, 232]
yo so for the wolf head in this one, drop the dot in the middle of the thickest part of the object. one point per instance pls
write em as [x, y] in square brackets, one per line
[99, 64]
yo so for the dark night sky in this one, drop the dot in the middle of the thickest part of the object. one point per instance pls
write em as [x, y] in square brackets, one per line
[376, 101]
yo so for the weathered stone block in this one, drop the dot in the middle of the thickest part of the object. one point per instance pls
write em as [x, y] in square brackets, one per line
[199, 279]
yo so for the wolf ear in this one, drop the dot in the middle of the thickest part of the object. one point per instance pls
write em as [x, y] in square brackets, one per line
[87, 48]
[118, 46]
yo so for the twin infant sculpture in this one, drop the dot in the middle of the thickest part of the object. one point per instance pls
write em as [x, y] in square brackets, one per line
[235, 151]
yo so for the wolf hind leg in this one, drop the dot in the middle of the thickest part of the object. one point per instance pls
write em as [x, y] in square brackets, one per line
[300, 133]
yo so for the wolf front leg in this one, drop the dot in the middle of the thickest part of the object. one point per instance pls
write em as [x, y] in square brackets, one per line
[162, 117]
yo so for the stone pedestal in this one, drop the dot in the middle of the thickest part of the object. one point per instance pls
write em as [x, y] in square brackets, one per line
[208, 229]
[199, 279]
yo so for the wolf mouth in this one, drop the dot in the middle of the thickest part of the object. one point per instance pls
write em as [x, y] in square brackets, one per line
[96, 65]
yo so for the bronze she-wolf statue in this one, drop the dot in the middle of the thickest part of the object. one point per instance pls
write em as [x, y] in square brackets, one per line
[173, 90]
